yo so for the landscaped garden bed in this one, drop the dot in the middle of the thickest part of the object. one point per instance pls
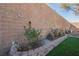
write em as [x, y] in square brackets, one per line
[40, 51]
[69, 47]
[35, 45]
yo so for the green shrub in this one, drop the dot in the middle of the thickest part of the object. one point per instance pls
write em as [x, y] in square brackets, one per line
[55, 33]
[32, 35]
[50, 36]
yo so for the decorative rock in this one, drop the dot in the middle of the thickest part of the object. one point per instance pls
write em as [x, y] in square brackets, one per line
[14, 47]
[41, 51]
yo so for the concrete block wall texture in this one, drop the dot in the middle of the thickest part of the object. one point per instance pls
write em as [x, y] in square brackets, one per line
[76, 24]
[13, 18]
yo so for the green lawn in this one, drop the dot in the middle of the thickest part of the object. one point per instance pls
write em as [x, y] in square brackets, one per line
[69, 47]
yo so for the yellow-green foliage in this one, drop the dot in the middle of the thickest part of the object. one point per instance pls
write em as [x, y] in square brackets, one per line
[32, 34]
[57, 32]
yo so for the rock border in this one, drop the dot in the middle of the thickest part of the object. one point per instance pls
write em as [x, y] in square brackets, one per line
[41, 51]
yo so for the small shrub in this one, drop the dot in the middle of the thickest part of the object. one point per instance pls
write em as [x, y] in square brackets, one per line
[55, 33]
[32, 35]
[67, 31]
[50, 36]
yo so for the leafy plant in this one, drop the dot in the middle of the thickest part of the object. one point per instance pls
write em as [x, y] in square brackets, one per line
[67, 31]
[55, 33]
[50, 36]
[70, 7]
[32, 35]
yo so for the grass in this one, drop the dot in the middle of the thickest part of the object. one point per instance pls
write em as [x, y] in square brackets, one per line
[69, 47]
